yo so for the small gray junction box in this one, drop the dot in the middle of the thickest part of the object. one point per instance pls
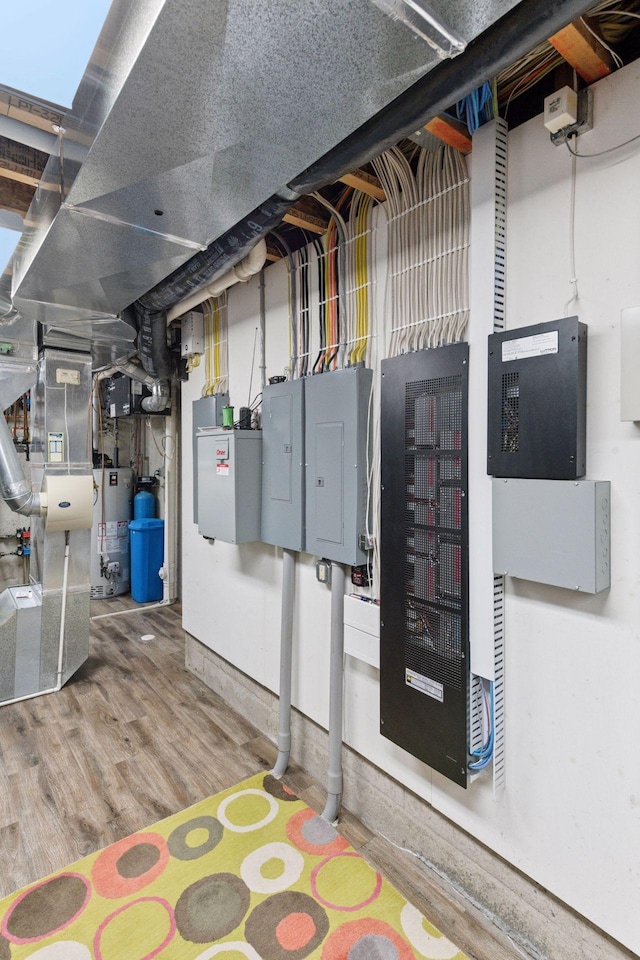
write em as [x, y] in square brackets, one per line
[553, 531]
[229, 484]
[336, 415]
[283, 464]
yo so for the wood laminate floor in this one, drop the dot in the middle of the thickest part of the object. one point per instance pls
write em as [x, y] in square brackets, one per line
[133, 738]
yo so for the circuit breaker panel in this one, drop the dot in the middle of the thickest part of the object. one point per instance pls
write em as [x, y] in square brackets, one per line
[336, 418]
[283, 464]
[424, 647]
[206, 412]
[538, 401]
[229, 484]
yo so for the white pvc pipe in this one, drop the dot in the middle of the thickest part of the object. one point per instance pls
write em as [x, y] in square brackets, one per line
[63, 609]
[336, 679]
[169, 587]
[243, 271]
[141, 609]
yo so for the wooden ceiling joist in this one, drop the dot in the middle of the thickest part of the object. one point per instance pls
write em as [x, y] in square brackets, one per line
[366, 183]
[21, 163]
[309, 215]
[274, 253]
[14, 196]
[583, 51]
[31, 110]
[451, 132]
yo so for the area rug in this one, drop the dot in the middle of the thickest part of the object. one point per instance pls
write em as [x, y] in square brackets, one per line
[250, 874]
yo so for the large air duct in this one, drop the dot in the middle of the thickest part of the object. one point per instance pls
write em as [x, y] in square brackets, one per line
[15, 489]
[514, 35]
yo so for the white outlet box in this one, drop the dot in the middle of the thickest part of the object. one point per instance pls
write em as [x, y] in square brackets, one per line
[362, 630]
[560, 109]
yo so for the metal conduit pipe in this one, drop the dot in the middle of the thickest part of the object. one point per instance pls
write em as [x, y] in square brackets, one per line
[336, 677]
[286, 650]
[15, 489]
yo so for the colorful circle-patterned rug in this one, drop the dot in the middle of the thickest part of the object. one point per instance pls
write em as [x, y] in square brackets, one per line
[250, 874]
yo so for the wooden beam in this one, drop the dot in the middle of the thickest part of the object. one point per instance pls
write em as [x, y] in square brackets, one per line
[366, 182]
[274, 253]
[21, 163]
[31, 110]
[309, 215]
[583, 51]
[15, 197]
[451, 132]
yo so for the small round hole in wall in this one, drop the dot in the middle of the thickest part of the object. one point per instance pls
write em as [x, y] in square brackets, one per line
[159, 213]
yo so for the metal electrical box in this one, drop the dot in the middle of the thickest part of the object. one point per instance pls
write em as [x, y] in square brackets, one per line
[555, 532]
[205, 412]
[229, 484]
[283, 464]
[192, 334]
[537, 401]
[424, 544]
[123, 396]
[336, 415]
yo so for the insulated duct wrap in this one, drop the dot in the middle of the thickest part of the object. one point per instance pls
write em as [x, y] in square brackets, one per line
[207, 265]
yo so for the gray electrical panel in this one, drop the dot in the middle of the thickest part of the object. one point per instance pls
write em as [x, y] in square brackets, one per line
[283, 464]
[229, 484]
[205, 412]
[553, 531]
[336, 415]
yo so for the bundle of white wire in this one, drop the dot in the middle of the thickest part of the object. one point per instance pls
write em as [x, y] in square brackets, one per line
[428, 244]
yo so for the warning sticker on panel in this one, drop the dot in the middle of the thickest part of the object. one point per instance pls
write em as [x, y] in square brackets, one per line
[424, 684]
[222, 469]
[536, 346]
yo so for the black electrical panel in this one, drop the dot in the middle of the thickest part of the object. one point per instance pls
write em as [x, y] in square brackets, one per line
[424, 646]
[537, 401]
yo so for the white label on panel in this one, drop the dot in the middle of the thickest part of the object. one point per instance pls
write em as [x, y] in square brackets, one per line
[537, 346]
[424, 684]
[68, 376]
[55, 447]
[222, 469]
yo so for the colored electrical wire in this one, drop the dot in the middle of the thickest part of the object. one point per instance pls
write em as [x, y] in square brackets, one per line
[482, 756]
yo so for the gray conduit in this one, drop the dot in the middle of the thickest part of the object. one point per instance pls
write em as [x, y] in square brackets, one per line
[334, 776]
[286, 647]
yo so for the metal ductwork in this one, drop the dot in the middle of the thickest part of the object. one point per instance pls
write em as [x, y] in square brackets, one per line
[15, 489]
[148, 206]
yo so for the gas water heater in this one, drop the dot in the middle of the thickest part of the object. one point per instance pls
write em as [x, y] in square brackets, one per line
[110, 564]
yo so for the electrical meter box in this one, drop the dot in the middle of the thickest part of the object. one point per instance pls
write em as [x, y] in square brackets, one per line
[205, 413]
[537, 401]
[283, 464]
[336, 425]
[192, 334]
[229, 484]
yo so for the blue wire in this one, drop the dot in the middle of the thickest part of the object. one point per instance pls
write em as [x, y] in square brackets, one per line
[484, 754]
[476, 108]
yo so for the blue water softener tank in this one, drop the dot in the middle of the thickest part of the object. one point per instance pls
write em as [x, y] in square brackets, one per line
[147, 556]
[144, 502]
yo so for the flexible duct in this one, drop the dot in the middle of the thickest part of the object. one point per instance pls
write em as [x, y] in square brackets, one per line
[159, 399]
[243, 271]
[15, 489]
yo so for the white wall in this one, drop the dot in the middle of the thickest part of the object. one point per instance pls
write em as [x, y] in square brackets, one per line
[570, 814]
